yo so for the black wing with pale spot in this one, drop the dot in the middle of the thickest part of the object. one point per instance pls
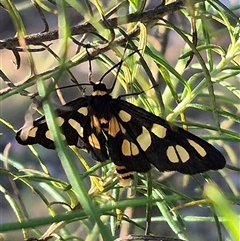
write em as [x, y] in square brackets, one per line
[130, 136]
[95, 141]
[37, 133]
[144, 138]
[75, 122]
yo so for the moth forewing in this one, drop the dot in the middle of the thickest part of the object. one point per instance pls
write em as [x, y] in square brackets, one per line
[126, 134]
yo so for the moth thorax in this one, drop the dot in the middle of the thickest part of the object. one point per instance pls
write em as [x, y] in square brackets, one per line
[100, 107]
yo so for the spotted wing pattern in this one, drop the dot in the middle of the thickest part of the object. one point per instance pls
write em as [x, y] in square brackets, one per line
[128, 135]
[142, 138]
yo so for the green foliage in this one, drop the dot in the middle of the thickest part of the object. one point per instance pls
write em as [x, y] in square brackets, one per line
[196, 84]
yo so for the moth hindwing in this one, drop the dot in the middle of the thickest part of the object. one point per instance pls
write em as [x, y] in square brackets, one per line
[126, 134]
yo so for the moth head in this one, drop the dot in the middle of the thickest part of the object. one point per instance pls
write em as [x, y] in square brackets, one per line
[99, 86]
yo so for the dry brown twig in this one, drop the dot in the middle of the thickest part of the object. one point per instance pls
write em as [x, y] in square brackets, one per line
[146, 17]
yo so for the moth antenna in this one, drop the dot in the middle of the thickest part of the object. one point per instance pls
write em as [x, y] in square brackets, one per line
[118, 70]
[70, 86]
[90, 68]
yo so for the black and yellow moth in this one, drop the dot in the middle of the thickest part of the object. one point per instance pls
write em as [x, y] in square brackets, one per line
[131, 137]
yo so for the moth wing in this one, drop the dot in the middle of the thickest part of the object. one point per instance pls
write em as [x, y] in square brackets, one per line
[141, 138]
[39, 133]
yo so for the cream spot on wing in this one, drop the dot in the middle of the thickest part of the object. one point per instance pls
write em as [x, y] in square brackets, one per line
[93, 141]
[129, 148]
[124, 116]
[159, 130]
[59, 120]
[126, 149]
[144, 139]
[172, 155]
[83, 111]
[32, 132]
[123, 130]
[95, 123]
[75, 125]
[182, 153]
[113, 128]
[198, 148]
[63, 137]
[48, 135]
[134, 149]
